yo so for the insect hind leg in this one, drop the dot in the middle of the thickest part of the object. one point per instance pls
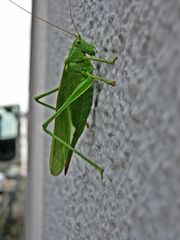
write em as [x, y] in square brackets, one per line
[92, 163]
[37, 98]
[77, 93]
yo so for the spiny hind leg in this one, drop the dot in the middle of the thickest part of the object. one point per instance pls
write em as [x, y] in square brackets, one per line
[91, 162]
[77, 93]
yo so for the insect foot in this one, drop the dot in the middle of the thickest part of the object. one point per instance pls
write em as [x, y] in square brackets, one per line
[114, 59]
[113, 83]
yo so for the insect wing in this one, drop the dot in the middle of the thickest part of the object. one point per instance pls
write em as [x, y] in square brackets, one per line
[63, 128]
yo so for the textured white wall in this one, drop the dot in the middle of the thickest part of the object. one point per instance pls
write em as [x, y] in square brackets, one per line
[134, 127]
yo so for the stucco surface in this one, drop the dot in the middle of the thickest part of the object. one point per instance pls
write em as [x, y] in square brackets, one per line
[134, 127]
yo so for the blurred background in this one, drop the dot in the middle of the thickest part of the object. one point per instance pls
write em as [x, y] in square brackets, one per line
[14, 85]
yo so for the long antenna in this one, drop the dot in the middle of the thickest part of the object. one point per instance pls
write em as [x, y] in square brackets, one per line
[72, 18]
[62, 29]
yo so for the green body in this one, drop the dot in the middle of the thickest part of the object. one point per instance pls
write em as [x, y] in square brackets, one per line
[70, 124]
[74, 101]
[73, 105]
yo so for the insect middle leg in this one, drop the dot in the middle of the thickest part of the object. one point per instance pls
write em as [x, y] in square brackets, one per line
[102, 60]
[107, 81]
[37, 98]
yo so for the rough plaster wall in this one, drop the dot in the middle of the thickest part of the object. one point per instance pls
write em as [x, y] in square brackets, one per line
[134, 127]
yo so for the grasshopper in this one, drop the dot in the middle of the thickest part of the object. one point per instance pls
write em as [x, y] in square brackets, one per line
[74, 101]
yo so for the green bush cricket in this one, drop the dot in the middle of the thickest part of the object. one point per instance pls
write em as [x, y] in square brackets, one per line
[74, 101]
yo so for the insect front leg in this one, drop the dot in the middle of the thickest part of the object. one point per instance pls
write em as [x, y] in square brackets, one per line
[103, 60]
[37, 98]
